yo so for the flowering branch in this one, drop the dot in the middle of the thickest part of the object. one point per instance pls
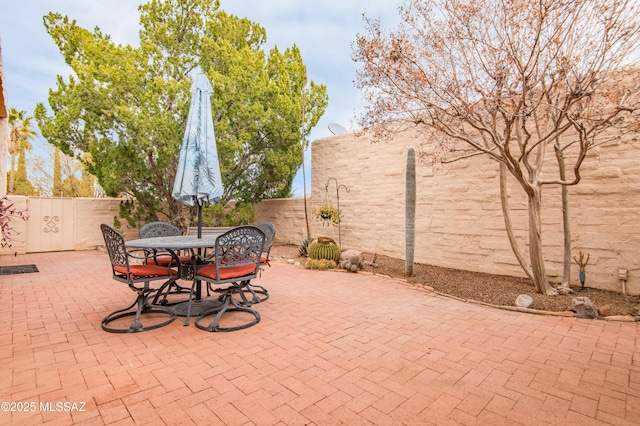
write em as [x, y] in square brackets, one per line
[8, 211]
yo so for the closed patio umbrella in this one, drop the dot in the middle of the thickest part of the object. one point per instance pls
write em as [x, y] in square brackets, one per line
[198, 180]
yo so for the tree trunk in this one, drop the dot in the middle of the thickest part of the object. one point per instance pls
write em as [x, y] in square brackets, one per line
[304, 174]
[56, 191]
[304, 183]
[12, 175]
[566, 226]
[410, 212]
[540, 279]
[506, 213]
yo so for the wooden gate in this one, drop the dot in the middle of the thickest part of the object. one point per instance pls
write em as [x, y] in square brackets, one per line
[51, 224]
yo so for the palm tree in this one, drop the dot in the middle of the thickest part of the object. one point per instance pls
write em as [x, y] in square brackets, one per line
[304, 145]
[22, 133]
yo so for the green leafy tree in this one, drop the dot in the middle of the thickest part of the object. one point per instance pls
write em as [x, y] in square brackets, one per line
[21, 185]
[20, 137]
[86, 185]
[127, 106]
[57, 190]
[82, 187]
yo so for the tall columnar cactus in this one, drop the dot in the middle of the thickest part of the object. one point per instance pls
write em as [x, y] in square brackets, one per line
[410, 212]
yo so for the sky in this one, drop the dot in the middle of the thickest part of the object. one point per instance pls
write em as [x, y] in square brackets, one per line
[323, 30]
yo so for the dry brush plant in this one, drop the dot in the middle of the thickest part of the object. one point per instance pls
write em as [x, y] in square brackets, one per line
[9, 212]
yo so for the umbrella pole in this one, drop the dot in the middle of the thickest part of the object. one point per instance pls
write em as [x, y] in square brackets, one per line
[199, 220]
[199, 283]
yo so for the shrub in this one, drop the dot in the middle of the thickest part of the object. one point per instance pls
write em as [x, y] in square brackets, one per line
[7, 212]
[304, 246]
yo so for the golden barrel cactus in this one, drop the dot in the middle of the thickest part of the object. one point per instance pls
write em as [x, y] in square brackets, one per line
[324, 248]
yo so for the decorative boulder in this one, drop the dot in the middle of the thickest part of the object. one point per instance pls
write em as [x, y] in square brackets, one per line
[349, 253]
[351, 260]
[524, 301]
[353, 264]
[584, 308]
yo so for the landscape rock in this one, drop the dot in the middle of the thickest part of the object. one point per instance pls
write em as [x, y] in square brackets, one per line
[583, 307]
[349, 253]
[564, 290]
[604, 310]
[622, 318]
[353, 264]
[524, 301]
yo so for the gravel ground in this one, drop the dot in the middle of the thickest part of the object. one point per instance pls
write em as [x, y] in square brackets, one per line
[497, 290]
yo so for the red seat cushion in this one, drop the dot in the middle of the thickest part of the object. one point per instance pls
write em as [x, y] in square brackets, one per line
[165, 260]
[227, 273]
[138, 271]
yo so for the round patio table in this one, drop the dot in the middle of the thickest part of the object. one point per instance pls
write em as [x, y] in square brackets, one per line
[183, 242]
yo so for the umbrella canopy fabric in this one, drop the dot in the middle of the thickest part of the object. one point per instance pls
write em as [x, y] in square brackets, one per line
[198, 178]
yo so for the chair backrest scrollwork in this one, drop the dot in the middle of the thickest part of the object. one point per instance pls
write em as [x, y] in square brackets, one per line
[114, 242]
[159, 229]
[240, 246]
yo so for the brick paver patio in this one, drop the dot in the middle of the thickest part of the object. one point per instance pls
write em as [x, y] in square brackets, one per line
[332, 348]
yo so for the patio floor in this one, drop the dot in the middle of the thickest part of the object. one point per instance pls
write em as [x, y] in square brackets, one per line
[331, 348]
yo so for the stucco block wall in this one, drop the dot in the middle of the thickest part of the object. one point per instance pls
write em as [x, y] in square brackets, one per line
[459, 221]
[87, 215]
[287, 215]
[90, 213]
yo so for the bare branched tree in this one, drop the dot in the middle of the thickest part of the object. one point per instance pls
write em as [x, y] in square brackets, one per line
[507, 79]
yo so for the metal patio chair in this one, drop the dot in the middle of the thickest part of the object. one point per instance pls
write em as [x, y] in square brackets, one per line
[259, 293]
[269, 235]
[159, 229]
[164, 229]
[232, 264]
[135, 269]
